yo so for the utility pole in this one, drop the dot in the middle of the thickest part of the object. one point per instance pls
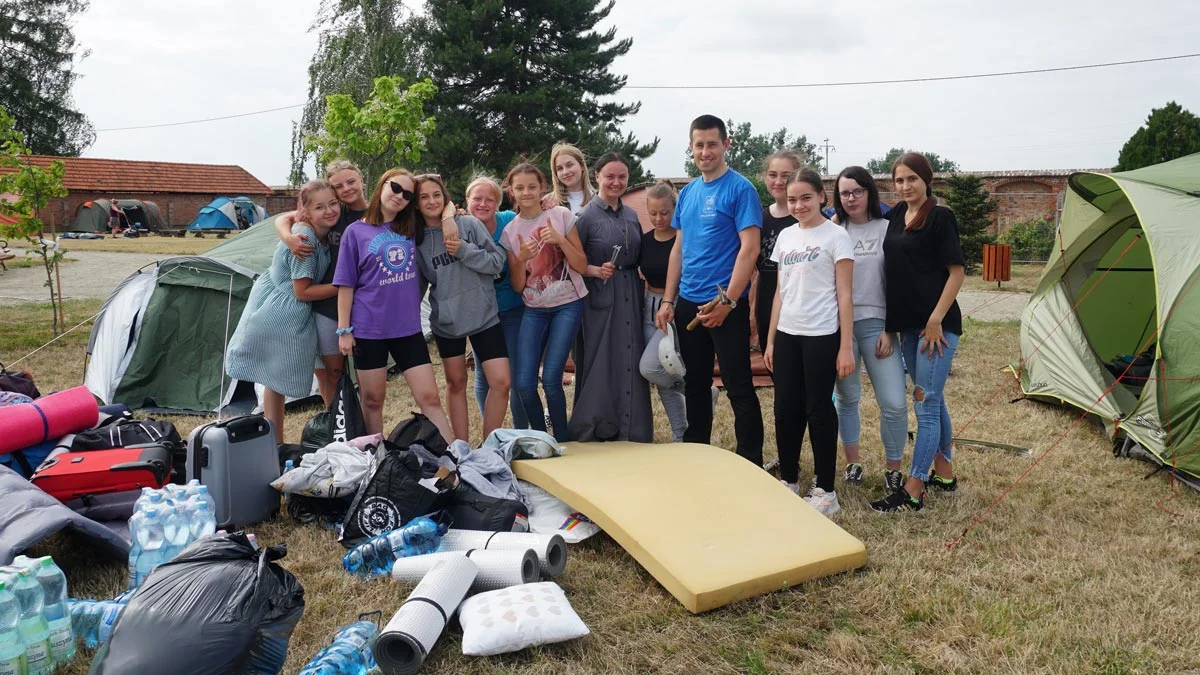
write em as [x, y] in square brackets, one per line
[827, 147]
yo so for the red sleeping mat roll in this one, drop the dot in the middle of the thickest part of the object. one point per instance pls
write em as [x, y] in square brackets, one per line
[49, 417]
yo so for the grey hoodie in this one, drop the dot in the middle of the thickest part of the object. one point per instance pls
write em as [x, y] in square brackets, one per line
[461, 295]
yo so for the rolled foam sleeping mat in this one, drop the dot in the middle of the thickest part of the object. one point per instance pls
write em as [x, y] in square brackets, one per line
[49, 417]
[497, 569]
[405, 642]
[551, 550]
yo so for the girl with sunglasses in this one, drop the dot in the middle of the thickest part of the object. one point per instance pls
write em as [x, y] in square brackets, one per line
[463, 304]
[545, 260]
[856, 201]
[379, 302]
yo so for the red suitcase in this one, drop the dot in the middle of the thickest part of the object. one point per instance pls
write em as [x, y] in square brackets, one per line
[93, 472]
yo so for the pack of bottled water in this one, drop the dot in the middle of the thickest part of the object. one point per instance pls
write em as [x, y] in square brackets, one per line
[36, 634]
[164, 522]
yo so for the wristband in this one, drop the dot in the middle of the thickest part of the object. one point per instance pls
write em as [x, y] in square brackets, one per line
[667, 302]
[344, 331]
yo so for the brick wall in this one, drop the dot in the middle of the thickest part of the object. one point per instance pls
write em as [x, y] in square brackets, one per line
[177, 209]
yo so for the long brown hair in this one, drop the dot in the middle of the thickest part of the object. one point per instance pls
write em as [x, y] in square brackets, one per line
[405, 221]
[918, 164]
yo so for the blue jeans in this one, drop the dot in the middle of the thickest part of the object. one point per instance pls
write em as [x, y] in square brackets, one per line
[929, 374]
[510, 323]
[549, 332]
[887, 378]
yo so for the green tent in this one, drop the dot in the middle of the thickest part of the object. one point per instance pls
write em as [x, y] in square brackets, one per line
[1123, 281]
[159, 341]
[92, 216]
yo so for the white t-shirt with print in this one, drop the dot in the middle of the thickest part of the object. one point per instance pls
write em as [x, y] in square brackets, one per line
[807, 287]
[867, 239]
[575, 202]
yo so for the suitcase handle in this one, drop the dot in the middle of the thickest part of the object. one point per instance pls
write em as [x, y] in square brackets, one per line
[246, 427]
[160, 470]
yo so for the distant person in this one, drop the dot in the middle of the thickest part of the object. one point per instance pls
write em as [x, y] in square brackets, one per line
[719, 222]
[463, 304]
[347, 182]
[545, 260]
[777, 169]
[654, 258]
[569, 176]
[612, 401]
[114, 218]
[276, 338]
[923, 270]
[856, 201]
[379, 302]
[810, 339]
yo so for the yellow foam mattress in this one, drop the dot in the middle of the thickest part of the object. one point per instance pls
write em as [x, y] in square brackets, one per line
[709, 526]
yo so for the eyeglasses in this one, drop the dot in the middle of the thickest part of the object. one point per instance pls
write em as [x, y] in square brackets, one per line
[856, 193]
[400, 191]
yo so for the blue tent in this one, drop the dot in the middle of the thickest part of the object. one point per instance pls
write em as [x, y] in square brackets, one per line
[224, 213]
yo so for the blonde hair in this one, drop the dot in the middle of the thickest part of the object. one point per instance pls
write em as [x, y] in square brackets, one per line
[662, 189]
[560, 190]
[486, 181]
[304, 197]
[341, 165]
[783, 153]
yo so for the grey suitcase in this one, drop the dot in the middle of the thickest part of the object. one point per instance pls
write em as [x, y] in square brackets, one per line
[237, 459]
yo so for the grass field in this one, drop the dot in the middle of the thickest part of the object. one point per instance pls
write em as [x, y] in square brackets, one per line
[1081, 566]
[147, 244]
[1024, 279]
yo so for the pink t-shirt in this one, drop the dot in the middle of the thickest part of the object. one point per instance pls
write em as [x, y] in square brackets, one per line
[549, 280]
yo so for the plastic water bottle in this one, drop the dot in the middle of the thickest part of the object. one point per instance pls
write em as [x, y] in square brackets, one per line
[92, 620]
[176, 529]
[135, 548]
[12, 648]
[152, 539]
[204, 521]
[35, 632]
[349, 654]
[58, 618]
[374, 557]
[149, 497]
[204, 495]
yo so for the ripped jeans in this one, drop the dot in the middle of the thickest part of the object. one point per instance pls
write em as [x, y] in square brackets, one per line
[928, 374]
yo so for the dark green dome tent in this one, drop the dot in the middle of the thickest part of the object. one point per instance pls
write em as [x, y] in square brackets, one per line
[92, 216]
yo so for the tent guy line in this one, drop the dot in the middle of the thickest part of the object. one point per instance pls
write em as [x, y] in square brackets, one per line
[802, 85]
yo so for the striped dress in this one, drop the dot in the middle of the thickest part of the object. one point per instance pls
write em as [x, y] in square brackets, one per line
[275, 343]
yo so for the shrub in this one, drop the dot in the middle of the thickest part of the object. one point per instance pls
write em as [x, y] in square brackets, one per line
[1032, 239]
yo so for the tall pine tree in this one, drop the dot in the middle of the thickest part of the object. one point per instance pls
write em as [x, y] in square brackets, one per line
[970, 201]
[37, 50]
[513, 78]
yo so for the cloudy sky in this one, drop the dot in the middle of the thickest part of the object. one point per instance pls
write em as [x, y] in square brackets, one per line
[156, 62]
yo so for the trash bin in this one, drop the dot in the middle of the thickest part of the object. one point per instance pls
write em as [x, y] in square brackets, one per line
[997, 262]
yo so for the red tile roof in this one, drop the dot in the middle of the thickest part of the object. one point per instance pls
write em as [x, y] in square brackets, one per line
[85, 174]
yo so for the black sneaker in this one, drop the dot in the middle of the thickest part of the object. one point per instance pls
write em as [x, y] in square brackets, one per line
[854, 473]
[941, 484]
[893, 481]
[899, 501]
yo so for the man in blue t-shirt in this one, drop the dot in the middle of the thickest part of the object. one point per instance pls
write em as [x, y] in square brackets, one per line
[719, 219]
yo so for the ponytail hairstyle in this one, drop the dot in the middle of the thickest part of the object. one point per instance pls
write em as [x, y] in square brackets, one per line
[560, 190]
[305, 197]
[518, 170]
[918, 164]
[863, 177]
[662, 189]
[405, 222]
[812, 179]
[782, 153]
[484, 180]
[341, 165]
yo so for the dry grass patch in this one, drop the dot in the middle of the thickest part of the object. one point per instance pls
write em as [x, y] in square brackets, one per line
[1024, 280]
[1075, 570]
[155, 244]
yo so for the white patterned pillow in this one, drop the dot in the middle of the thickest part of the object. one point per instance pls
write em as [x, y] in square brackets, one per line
[513, 618]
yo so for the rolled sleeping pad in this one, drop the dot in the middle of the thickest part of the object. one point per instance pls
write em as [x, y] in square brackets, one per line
[406, 640]
[497, 569]
[49, 417]
[551, 550]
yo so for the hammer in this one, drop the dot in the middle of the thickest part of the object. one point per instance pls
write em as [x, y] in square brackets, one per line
[706, 307]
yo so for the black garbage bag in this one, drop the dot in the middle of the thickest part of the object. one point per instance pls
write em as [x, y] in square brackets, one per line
[316, 433]
[391, 496]
[219, 608]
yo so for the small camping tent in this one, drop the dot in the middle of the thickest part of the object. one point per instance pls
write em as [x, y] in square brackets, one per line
[92, 216]
[1121, 284]
[224, 213]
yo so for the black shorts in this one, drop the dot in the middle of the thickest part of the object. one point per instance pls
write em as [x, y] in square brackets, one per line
[408, 352]
[487, 344]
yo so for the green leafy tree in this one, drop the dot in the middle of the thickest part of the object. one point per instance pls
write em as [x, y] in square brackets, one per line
[514, 78]
[37, 50]
[1031, 239]
[884, 164]
[358, 41]
[1170, 132]
[389, 129]
[747, 150]
[34, 187]
[969, 199]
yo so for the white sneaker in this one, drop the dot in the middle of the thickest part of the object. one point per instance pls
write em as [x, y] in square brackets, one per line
[825, 502]
[794, 487]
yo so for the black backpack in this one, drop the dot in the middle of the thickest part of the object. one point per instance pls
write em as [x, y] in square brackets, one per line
[419, 430]
[120, 432]
[389, 498]
[473, 510]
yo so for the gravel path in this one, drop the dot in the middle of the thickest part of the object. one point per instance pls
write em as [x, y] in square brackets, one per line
[91, 274]
[992, 305]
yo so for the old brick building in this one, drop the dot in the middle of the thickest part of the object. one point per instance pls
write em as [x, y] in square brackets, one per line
[179, 190]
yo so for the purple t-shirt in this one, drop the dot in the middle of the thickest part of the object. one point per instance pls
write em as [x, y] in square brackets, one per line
[380, 265]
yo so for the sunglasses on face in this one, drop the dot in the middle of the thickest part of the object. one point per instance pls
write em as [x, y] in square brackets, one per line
[399, 190]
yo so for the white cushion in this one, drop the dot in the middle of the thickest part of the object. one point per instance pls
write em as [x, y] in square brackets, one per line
[513, 618]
